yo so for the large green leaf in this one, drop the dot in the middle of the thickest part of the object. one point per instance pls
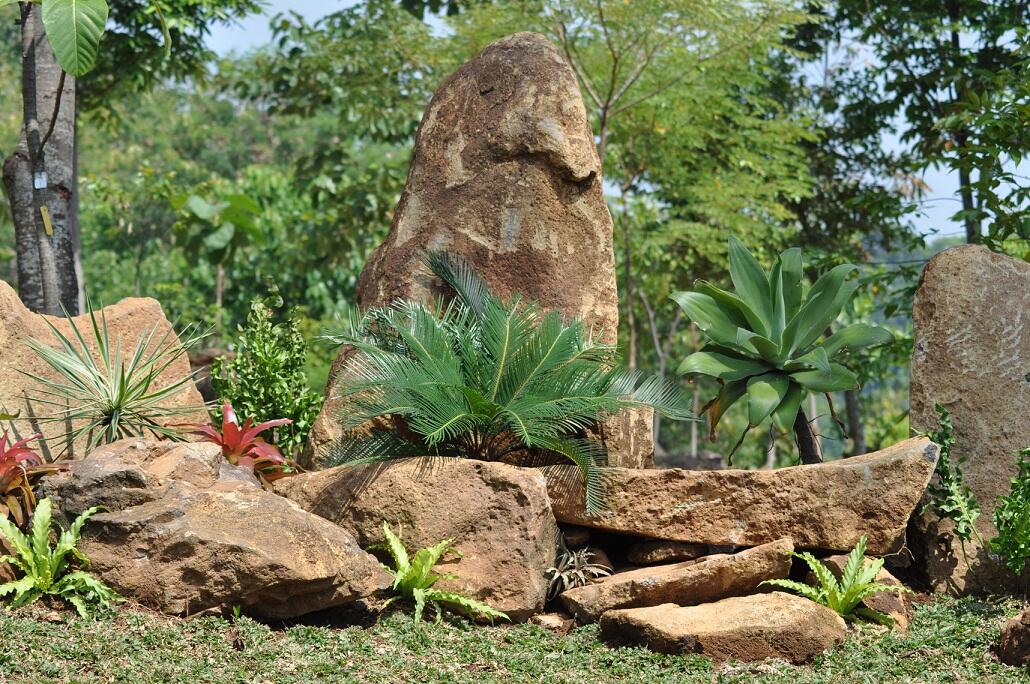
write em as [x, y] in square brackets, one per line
[791, 275]
[718, 322]
[721, 366]
[857, 336]
[728, 299]
[828, 296]
[750, 281]
[729, 395]
[838, 379]
[74, 28]
[764, 394]
[787, 411]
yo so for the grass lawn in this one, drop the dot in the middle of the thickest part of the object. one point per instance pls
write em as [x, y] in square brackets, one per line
[950, 641]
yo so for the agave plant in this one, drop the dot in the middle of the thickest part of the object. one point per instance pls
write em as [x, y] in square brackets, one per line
[767, 342]
[482, 378]
[106, 396]
[414, 580]
[242, 445]
[19, 465]
[845, 596]
[48, 569]
[573, 568]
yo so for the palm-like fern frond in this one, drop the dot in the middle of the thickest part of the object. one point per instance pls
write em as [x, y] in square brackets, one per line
[482, 378]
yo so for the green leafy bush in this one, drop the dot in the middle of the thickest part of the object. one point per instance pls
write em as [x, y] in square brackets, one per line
[414, 580]
[1012, 518]
[482, 378]
[109, 396]
[844, 596]
[48, 570]
[950, 497]
[766, 342]
[265, 381]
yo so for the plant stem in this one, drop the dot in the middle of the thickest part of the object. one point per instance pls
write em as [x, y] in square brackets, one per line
[808, 448]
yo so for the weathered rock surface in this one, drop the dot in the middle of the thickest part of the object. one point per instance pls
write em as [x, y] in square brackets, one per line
[127, 322]
[825, 506]
[897, 605]
[972, 355]
[688, 583]
[664, 551]
[187, 533]
[499, 516]
[505, 173]
[746, 628]
[559, 623]
[1014, 648]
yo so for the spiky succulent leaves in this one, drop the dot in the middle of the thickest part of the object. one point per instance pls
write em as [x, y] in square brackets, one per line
[19, 466]
[48, 570]
[105, 396]
[949, 495]
[573, 568]
[763, 340]
[844, 596]
[1012, 518]
[481, 378]
[244, 446]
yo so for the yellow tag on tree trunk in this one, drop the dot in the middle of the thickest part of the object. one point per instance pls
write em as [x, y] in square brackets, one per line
[47, 225]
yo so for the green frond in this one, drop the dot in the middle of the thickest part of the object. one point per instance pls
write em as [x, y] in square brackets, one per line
[874, 616]
[806, 590]
[460, 601]
[461, 277]
[855, 563]
[395, 547]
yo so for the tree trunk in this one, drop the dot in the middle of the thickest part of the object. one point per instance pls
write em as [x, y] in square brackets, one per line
[219, 287]
[808, 447]
[39, 178]
[855, 426]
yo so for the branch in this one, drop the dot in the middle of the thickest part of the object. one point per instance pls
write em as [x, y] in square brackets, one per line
[567, 47]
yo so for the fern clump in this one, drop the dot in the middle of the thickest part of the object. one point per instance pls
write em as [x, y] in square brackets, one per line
[414, 580]
[48, 570]
[483, 378]
[844, 596]
[950, 496]
[1012, 518]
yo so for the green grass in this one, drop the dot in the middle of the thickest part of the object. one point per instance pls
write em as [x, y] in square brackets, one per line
[950, 641]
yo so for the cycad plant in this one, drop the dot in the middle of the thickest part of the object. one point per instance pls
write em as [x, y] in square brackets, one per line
[845, 596]
[48, 569]
[482, 378]
[414, 580]
[105, 395]
[768, 341]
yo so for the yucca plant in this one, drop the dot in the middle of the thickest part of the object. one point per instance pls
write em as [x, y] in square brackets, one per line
[414, 580]
[844, 596]
[244, 446]
[105, 395]
[767, 342]
[482, 378]
[48, 569]
[19, 466]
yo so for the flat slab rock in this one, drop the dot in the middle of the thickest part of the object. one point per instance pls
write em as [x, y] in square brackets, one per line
[498, 514]
[825, 506]
[745, 628]
[688, 583]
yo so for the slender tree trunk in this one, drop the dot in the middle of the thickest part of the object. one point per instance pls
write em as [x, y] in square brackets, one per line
[39, 178]
[219, 287]
[855, 426]
[808, 446]
[770, 449]
[972, 224]
[631, 320]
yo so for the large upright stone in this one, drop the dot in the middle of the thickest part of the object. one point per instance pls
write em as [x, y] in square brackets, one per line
[505, 174]
[127, 321]
[972, 355]
[824, 506]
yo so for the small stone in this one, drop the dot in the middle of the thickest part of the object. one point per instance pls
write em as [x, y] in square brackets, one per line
[664, 551]
[559, 623]
[1015, 641]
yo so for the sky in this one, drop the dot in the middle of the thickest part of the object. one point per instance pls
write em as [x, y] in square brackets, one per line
[940, 203]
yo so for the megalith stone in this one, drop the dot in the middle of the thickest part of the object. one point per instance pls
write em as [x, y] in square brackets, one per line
[972, 355]
[505, 174]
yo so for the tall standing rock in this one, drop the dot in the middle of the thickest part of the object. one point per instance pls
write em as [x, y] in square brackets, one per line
[505, 173]
[972, 355]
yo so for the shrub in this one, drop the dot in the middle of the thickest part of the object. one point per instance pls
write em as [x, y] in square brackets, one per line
[243, 445]
[19, 464]
[414, 580]
[109, 397]
[766, 341]
[844, 596]
[48, 569]
[949, 496]
[266, 380]
[1012, 518]
[482, 378]
[573, 568]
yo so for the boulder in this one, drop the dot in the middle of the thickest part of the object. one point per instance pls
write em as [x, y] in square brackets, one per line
[664, 551]
[972, 355]
[824, 506]
[498, 515]
[186, 533]
[127, 322]
[505, 174]
[688, 583]
[1014, 648]
[745, 628]
[898, 606]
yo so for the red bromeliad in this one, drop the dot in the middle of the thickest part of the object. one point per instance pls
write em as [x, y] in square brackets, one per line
[243, 446]
[19, 463]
